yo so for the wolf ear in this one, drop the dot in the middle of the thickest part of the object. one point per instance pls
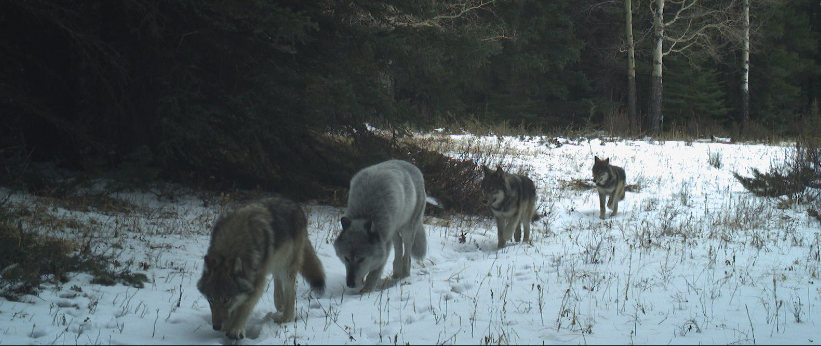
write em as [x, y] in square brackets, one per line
[373, 236]
[486, 170]
[346, 222]
[499, 171]
[211, 262]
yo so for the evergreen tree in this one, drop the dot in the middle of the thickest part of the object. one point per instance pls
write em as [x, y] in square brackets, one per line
[784, 62]
[694, 94]
[533, 80]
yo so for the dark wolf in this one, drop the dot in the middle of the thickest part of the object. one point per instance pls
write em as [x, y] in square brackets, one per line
[512, 200]
[610, 182]
[247, 244]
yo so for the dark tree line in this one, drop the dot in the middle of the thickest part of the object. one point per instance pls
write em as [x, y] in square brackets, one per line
[245, 91]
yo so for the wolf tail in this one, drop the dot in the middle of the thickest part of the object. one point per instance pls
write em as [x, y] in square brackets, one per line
[420, 243]
[312, 268]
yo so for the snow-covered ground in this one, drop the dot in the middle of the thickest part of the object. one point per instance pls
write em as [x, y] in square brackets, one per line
[691, 258]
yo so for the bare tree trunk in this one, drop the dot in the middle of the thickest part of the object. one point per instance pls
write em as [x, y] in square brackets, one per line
[745, 67]
[514, 91]
[656, 117]
[631, 65]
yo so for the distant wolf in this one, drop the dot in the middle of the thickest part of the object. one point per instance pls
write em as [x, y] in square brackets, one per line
[610, 183]
[512, 199]
[247, 244]
[386, 206]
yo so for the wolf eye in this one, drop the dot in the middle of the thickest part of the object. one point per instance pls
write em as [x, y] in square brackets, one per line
[225, 300]
[360, 260]
[347, 259]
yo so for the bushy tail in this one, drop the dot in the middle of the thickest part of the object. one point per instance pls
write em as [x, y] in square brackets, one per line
[312, 268]
[420, 243]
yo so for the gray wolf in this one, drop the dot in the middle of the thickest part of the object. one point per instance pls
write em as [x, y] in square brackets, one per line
[386, 206]
[512, 200]
[610, 183]
[247, 244]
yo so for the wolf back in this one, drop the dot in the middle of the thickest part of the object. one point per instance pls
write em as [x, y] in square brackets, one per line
[247, 244]
[512, 200]
[386, 206]
[610, 183]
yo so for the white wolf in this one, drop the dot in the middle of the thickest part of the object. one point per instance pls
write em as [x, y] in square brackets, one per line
[386, 206]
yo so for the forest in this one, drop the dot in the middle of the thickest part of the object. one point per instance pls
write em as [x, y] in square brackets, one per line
[278, 94]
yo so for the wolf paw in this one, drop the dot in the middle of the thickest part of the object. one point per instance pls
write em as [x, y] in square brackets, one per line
[366, 290]
[236, 334]
[279, 317]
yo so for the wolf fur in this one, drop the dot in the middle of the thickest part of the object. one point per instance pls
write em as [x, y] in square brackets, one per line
[512, 200]
[610, 182]
[386, 206]
[247, 244]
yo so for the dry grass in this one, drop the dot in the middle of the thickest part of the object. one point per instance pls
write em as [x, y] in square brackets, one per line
[43, 240]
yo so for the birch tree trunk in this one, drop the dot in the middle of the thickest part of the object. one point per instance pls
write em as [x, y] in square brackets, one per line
[631, 65]
[745, 68]
[656, 117]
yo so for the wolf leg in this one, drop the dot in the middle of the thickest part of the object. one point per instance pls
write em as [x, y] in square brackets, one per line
[373, 277]
[618, 195]
[517, 235]
[528, 219]
[602, 200]
[284, 296]
[614, 203]
[235, 326]
[509, 224]
[526, 226]
[500, 228]
[399, 255]
[407, 242]
[420, 242]
[278, 298]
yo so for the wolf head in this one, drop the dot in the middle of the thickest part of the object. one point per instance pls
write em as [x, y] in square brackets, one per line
[494, 186]
[360, 248]
[224, 283]
[601, 170]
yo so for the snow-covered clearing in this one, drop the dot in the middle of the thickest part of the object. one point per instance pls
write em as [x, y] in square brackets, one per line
[691, 258]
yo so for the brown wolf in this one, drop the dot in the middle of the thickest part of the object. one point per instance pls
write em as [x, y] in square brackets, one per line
[247, 244]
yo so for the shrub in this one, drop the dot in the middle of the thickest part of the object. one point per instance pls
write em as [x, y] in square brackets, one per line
[799, 171]
[714, 159]
[28, 259]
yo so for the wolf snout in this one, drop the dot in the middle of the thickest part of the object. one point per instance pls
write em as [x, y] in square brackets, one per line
[351, 282]
[217, 327]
